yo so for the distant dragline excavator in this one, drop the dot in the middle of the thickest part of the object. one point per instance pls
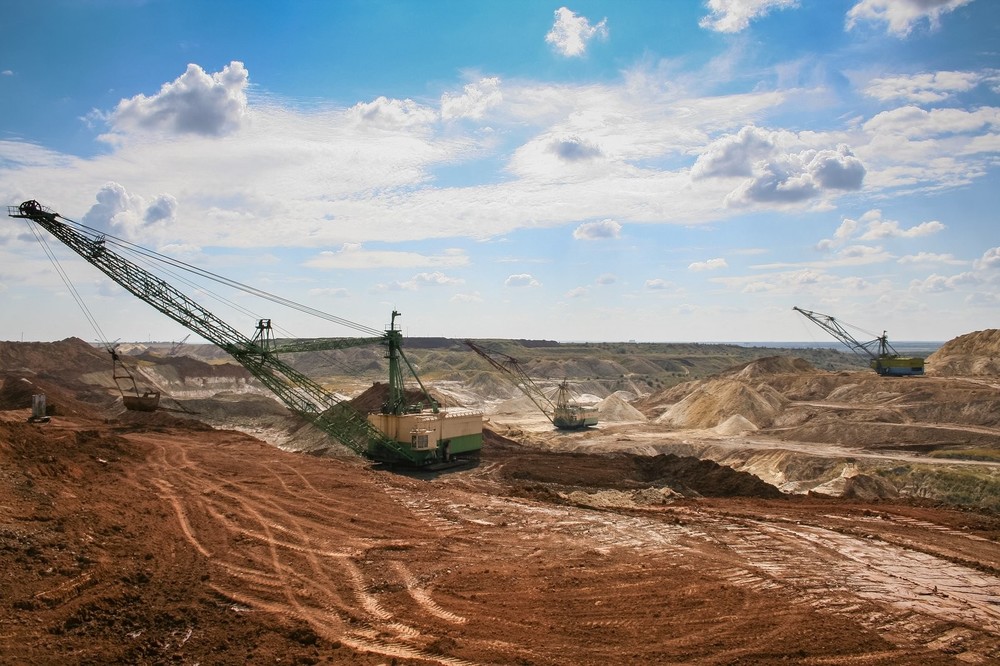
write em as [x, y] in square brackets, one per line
[562, 412]
[881, 357]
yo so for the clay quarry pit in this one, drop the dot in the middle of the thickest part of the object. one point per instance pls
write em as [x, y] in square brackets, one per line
[761, 510]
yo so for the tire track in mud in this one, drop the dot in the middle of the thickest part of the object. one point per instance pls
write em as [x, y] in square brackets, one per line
[167, 492]
[420, 595]
[297, 565]
[298, 574]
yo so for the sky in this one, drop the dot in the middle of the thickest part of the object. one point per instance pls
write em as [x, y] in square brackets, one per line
[594, 171]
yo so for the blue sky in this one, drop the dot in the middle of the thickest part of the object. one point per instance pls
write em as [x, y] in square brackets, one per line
[657, 171]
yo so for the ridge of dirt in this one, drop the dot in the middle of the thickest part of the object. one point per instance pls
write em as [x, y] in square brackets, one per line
[975, 354]
[685, 475]
[372, 399]
[714, 401]
[71, 356]
[615, 408]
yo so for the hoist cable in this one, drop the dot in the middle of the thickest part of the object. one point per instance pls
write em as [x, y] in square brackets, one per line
[155, 256]
[69, 285]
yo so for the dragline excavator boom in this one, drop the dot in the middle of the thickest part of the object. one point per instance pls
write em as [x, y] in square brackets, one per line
[881, 356]
[399, 434]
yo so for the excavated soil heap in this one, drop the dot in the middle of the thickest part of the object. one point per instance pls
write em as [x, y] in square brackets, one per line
[771, 365]
[62, 397]
[973, 354]
[69, 357]
[713, 402]
[541, 473]
[614, 408]
[376, 395]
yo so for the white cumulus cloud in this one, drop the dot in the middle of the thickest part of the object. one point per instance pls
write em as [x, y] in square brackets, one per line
[522, 280]
[936, 284]
[476, 99]
[735, 15]
[923, 88]
[571, 33]
[114, 207]
[734, 154]
[573, 149]
[990, 260]
[195, 103]
[930, 258]
[774, 170]
[435, 279]
[879, 229]
[163, 208]
[354, 256]
[901, 16]
[872, 226]
[793, 177]
[598, 230]
[710, 265]
[385, 113]
[914, 122]
[118, 209]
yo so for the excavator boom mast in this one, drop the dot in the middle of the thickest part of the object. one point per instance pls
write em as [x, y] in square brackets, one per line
[510, 366]
[834, 328]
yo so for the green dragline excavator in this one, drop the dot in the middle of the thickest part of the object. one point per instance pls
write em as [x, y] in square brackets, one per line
[400, 433]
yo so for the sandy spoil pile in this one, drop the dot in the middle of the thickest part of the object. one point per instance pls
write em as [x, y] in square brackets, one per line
[516, 406]
[771, 365]
[614, 408]
[972, 354]
[713, 402]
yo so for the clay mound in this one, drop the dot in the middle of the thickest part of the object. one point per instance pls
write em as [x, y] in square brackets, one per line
[713, 402]
[771, 365]
[737, 424]
[655, 403]
[62, 397]
[614, 408]
[373, 398]
[558, 474]
[853, 484]
[16, 393]
[972, 354]
[71, 356]
[184, 368]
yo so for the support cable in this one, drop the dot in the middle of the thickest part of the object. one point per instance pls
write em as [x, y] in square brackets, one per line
[69, 285]
[156, 256]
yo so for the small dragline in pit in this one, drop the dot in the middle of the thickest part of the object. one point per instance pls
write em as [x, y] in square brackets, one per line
[422, 435]
[563, 413]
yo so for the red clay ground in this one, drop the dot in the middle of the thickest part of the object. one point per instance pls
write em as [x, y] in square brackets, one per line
[159, 541]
